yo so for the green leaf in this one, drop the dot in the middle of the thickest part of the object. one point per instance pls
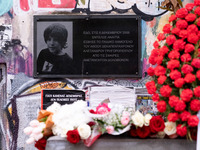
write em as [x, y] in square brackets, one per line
[43, 119]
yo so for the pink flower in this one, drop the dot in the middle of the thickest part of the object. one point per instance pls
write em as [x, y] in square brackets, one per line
[125, 120]
[102, 109]
[110, 129]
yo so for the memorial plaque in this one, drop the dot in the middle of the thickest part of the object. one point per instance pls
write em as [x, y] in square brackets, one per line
[60, 96]
[97, 46]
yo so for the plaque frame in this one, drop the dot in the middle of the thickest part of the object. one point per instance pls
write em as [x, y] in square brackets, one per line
[37, 19]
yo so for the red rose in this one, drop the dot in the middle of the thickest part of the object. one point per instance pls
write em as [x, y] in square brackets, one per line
[181, 13]
[165, 90]
[41, 144]
[170, 39]
[156, 44]
[181, 130]
[161, 36]
[173, 100]
[179, 45]
[172, 18]
[175, 74]
[185, 115]
[159, 70]
[187, 69]
[190, 17]
[198, 74]
[155, 97]
[133, 131]
[186, 95]
[183, 34]
[161, 106]
[167, 28]
[192, 29]
[173, 117]
[163, 50]
[92, 111]
[73, 136]
[161, 79]
[189, 78]
[179, 82]
[196, 2]
[159, 60]
[173, 64]
[196, 63]
[174, 54]
[197, 91]
[150, 71]
[189, 48]
[157, 124]
[189, 6]
[143, 132]
[186, 58]
[151, 87]
[180, 106]
[176, 31]
[91, 123]
[193, 121]
[181, 24]
[193, 38]
[197, 11]
[195, 105]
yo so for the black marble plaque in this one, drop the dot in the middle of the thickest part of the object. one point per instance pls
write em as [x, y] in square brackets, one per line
[102, 46]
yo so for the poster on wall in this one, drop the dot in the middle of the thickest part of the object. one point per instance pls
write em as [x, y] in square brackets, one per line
[87, 46]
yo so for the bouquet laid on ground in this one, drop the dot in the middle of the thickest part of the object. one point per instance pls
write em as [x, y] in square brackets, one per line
[175, 81]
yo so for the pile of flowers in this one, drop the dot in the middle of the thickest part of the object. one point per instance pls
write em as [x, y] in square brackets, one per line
[176, 75]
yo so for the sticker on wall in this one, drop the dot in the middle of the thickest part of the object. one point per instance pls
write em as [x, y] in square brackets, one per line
[5, 6]
[21, 6]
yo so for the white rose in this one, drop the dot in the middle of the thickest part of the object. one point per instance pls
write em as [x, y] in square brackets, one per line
[138, 119]
[147, 119]
[170, 128]
[54, 107]
[84, 131]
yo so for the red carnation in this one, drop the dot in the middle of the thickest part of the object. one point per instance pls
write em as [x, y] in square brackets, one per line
[175, 74]
[181, 24]
[151, 87]
[186, 95]
[161, 106]
[179, 82]
[174, 54]
[196, 63]
[143, 132]
[180, 106]
[197, 91]
[161, 36]
[189, 48]
[181, 130]
[157, 124]
[181, 13]
[161, 79]
[152, 59]
[190, 17]
[197, 11]
[172, 18]
[170, 39]
[189, 78]
[195, 105]
[186, 58]
[173, 64]
[183, 34]
[193, 121]
[173, 100]
[196, 2]
[155, 97]
[150, 71]
[176, 31]
[163, 50]
[159, 60]
[198, 74]
[159, 70]
[156, 44]
[167, 28]
[187, 69]
[173, 117]
[192, 29]
[193, 38]
[185, 115]
[179, 45]
[73, 136]
[189, 6]
[165, 90]
[41, 144]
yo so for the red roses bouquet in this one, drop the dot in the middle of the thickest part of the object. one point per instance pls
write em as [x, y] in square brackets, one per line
[176, 77]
